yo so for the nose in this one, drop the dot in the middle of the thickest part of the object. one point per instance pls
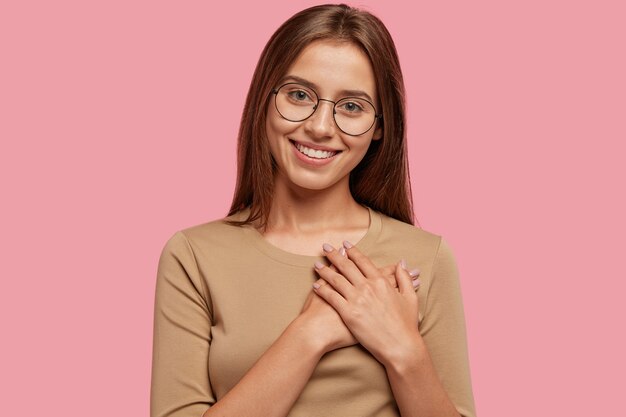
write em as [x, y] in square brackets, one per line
[322, 123]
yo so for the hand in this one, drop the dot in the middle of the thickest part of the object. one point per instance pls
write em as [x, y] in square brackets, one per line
[387, 271]
[325, 324]
[382, 318]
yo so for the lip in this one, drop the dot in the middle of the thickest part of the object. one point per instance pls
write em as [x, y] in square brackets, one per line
[314, 146]
[314, 162]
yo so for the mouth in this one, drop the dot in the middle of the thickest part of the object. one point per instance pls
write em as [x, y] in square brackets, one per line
[313, 153]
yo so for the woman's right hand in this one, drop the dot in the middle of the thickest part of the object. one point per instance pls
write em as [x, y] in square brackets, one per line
[324, 324]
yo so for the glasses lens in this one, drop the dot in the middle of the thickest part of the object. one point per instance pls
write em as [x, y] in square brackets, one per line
[295, 102]
[354, 116]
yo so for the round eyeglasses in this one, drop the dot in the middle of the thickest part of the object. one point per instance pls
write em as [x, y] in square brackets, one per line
[354, 116]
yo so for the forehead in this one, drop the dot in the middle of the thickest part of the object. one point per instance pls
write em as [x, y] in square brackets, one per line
[334, 67]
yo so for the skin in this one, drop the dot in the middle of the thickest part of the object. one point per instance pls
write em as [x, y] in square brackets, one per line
[354, 301]
[314, 204]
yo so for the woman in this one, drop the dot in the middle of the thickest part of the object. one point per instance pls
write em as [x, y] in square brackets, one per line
[272, 311]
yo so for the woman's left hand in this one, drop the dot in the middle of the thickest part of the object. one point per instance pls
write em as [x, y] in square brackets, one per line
[381, 317]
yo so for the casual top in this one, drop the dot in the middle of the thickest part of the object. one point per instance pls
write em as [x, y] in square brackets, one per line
[224, 295]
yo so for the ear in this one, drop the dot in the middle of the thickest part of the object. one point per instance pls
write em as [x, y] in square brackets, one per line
[378, 133]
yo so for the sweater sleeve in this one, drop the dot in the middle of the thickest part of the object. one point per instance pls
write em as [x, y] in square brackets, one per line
[444, 333]
[180, 385]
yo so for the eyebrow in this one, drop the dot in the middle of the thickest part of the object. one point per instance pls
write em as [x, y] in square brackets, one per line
[343, 93]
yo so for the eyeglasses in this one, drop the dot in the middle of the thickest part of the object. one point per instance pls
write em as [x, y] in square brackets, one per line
[354, 116]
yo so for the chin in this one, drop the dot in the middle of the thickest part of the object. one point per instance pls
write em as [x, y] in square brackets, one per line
[313, 184]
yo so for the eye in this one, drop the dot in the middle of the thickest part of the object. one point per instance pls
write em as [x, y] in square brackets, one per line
[351, 107]
[299, 95]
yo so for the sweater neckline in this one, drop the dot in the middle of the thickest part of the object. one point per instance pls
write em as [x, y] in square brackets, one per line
[289, 258]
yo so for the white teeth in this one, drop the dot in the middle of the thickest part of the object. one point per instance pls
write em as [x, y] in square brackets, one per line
[314, 153]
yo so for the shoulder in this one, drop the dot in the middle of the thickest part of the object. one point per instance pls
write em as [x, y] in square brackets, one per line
[219, 229]
[398, 227]
[410, 235]
[445, 255]
[209, 236]
[429, 245]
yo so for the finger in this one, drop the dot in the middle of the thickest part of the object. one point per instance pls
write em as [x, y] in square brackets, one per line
[345, 266]
[332, 297]
[342, 252]
[414, 273]
[389, 272]
[320, 282]
[403, 278]
[336, 280]
[365, 265]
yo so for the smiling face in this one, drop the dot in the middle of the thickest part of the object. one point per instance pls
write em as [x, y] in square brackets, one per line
[315, 154]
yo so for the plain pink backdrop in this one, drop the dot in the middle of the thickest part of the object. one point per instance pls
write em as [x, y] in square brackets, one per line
[118, 122]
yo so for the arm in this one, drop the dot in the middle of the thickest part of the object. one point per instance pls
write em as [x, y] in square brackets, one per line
[416, 386]
[276, 380]
[434, 372]
[182, 335]
[444, 333]
[182, 320]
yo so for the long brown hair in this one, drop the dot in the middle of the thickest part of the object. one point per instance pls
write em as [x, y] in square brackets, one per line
[381, 180]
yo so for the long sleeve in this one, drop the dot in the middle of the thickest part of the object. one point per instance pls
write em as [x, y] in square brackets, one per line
[182, 335]
[443, 331]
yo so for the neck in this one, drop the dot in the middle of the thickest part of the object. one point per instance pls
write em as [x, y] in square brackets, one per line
[298, 210]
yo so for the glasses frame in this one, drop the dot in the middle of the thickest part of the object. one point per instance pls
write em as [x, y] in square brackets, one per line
[376, 115]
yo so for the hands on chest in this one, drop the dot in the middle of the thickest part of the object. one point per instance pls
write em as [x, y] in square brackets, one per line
[354, 301]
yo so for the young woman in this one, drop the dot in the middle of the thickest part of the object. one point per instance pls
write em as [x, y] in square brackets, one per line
[272, 311]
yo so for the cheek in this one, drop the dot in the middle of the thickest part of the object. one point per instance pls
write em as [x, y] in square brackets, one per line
[360, 145]
[276, 131]
[361, 155]
[271, 129]
[359, 150]
[276, 125]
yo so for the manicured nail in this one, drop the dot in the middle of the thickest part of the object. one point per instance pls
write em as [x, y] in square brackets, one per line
[403, 264]
[416, 283]
[414, 272]
[327, 247]
[347, 244]
[316, 285]
[342, 251]
[319, 265]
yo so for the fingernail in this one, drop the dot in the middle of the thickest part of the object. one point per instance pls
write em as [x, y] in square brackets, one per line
[347, 244]
[414, 272]
[403, 264]
[316, 285]
[319, 265]
[342, 251]
[416, 283]
[327, 247]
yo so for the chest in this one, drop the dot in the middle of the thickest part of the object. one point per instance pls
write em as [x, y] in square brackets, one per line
[311, 244]
[253, 300]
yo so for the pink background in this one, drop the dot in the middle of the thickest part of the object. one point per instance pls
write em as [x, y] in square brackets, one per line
[118, 122]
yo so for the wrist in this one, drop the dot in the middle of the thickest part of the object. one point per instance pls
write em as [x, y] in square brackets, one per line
[305, 333]
[405, 356]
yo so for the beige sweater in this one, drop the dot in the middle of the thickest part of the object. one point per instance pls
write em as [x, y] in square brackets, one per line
[224, 295]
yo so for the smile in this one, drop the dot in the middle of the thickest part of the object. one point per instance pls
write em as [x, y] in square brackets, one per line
[314, 153]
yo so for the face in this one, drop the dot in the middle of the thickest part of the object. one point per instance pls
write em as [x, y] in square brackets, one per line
[315, 154]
